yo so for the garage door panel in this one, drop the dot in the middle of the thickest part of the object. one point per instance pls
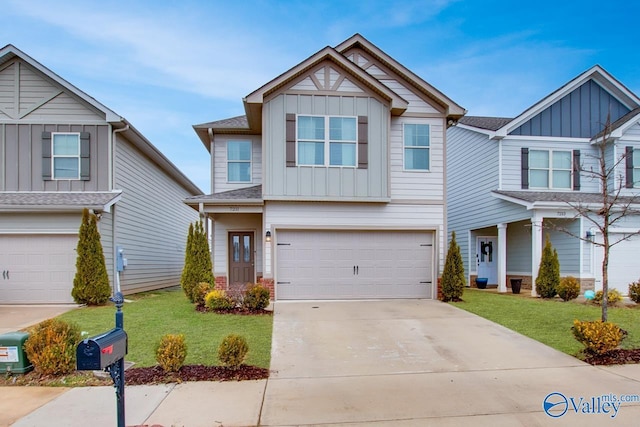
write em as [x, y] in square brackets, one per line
[623, 263]
[41, 268]
[387, 264]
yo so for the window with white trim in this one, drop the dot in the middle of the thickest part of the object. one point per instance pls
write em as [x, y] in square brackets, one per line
[65, 155]
[416, 147]
[326, 141]
[239, 161]
[550, 169]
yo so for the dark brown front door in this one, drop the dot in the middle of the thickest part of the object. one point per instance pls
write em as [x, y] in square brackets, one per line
[241, 270]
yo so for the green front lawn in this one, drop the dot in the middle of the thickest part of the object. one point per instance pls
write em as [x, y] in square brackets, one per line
[150, 315]
[547, 321]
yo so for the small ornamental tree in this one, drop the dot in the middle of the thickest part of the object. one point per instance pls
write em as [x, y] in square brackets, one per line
[91, 282]
[548, 278]
[453, 280]
[197, 261]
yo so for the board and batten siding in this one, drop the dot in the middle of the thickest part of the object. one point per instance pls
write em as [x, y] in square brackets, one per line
[414, 185]
[226, 223]
[152, 222]
[220, 180]
[355, 216]
[21, 148]
[320, 182]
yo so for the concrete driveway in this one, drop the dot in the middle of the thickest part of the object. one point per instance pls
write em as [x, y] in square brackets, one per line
[16, 317]
[421, 363]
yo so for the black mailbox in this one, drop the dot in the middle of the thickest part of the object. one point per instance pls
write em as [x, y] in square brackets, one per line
[96, 353]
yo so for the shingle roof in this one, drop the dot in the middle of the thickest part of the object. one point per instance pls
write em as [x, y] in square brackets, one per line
[621, 121]
[489, 123]
[238, 122]
[248, 193]
[57, 200]
[560, 196]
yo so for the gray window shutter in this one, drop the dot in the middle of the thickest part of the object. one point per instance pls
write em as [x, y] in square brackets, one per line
[524, 175]
[628, 152]
[576, 169]
[85, 160]
[363, 142]
[46, 156]
[291, 139]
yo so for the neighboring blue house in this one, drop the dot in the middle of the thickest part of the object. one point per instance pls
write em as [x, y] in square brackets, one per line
[509, 180]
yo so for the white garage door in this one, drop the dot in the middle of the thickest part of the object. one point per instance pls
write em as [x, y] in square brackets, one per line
[624, 267]
[37, 268]
[354, 264]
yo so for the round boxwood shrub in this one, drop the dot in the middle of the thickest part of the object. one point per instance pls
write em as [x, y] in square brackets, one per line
[218, 300]
[232, 351]
[51, 347]
[613, 297]
[256, 297]
[569, 288]
[171, 352]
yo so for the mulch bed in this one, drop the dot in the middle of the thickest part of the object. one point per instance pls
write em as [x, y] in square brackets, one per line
[237, 310]
[615, 357]
[156, 375]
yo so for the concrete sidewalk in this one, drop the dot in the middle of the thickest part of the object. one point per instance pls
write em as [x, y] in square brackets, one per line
[380, 363]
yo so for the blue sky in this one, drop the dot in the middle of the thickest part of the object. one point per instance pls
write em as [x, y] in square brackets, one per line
[167, 65]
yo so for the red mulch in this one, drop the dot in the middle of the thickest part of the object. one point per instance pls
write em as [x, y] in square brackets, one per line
[615, 357]
[237, 310]
[156, 375]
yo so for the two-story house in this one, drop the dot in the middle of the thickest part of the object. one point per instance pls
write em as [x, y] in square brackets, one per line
[514, 181]
[62, 151]
[332, 184]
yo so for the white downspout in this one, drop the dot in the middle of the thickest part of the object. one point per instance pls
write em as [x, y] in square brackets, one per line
[116, 273]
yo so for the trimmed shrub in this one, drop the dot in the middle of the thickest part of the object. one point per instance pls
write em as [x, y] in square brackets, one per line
[598, 337]
[200, 292]
[218, 300]
[171, 352]
[548, 273]
[51, 347]
[91, 282]
[569, 288]
[453, 280]
[634, 292]
[256, 297]
[613, 297]
[232, 351]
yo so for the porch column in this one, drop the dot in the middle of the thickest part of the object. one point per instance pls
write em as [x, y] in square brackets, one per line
[536, 252]
[502, 257]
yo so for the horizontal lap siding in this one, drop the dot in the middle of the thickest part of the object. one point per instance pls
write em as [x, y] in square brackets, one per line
[415, 184]
[151, 222]
[472, 174]
[220, 168]
[567, 246]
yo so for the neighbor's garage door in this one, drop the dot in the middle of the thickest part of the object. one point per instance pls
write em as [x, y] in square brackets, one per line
[623, 263]
[37, 268]
[354, 264]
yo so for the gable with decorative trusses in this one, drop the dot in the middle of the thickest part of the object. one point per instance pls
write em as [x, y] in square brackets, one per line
[418, 102]
[328, 78]
[25, 93]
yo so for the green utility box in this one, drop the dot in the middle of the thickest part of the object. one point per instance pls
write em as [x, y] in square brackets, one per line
[13, 359]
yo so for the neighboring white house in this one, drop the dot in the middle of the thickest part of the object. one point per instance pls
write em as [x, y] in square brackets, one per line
[332, 184]
[509, 180]
[62, 151]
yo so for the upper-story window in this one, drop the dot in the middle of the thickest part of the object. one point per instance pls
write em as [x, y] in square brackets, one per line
[326, 141]
[636, 168]
[550, 169]
[239, 161]
[66, 155]
[416, 147]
